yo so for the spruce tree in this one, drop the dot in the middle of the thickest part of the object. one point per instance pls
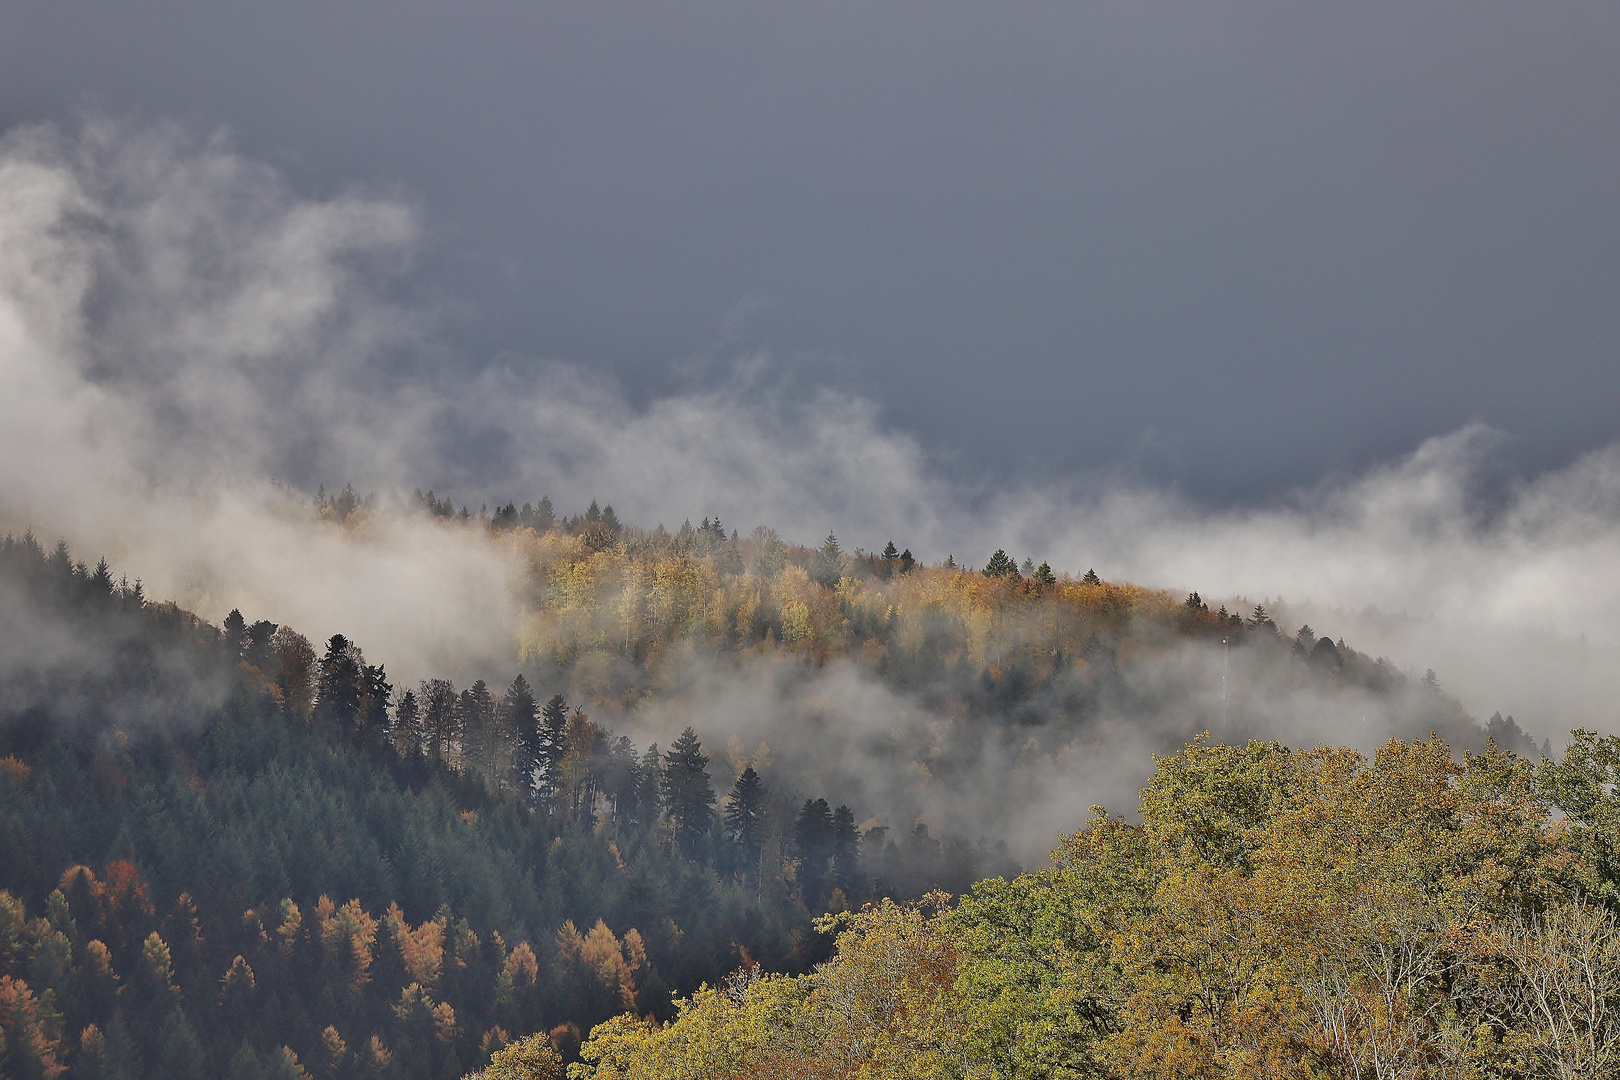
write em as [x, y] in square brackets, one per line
[813, 836]
[437, 701]
[553, 726]
[520, 712]
[745, 818]
[1001, 565]
[337, 683]
[846, 850]
[406, 732]
[828, 565]
[688, 795]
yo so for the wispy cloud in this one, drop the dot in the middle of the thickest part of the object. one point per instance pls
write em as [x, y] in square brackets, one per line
[178, 328]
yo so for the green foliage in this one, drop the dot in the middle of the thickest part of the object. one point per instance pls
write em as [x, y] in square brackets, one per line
[1001, 565]
[1279, 913]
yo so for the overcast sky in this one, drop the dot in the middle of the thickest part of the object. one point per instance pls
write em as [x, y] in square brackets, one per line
[1228, 246]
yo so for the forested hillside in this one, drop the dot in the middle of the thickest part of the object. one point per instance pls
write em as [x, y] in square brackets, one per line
[1301, 914]
[229, 851]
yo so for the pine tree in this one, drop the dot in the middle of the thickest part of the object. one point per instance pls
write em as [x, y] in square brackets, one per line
[1091, 578]
[688, 795]
[1044, 575]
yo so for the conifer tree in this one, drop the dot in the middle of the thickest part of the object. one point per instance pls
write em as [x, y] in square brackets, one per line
[688, 795]
[437, 701]
[813, 837]
[828, 565]
[1091, 578]
[235, 631]
[407, 728]
[553, 725]
[745, 818]
[846, 850]
[650, 786]
[337, 684]
[1001, 565]
[520, 712]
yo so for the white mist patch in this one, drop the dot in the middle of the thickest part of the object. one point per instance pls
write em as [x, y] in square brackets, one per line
[178, 329]
[175, 330]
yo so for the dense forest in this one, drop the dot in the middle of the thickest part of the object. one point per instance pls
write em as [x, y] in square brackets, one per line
[227, 851]
[1275, 914]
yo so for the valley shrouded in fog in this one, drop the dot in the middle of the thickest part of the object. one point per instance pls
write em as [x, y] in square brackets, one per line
[385, 697]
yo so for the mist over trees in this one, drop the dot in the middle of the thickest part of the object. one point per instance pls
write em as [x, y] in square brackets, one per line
[231, 850]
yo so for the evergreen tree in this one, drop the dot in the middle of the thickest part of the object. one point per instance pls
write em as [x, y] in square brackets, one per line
[245, 1065]
[375, 693]
[813, 838]
[906, 561]
[846, 850]
[1044, 575]
[406, 732]
[745, 818]
[553, 725]
[828, 564]
[688, 795]
[337, 683]
[520, 711]
[180, 1052]
[1304, 640]
[650, 786]
[580, 768]
[437, 700]
[480, 735]
[1091, 578]
[235, 632]
[1001, 565]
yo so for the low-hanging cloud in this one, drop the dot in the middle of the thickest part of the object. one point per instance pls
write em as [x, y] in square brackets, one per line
[181, 333]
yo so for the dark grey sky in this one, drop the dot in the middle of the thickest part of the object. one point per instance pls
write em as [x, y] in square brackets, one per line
[1233, 245]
